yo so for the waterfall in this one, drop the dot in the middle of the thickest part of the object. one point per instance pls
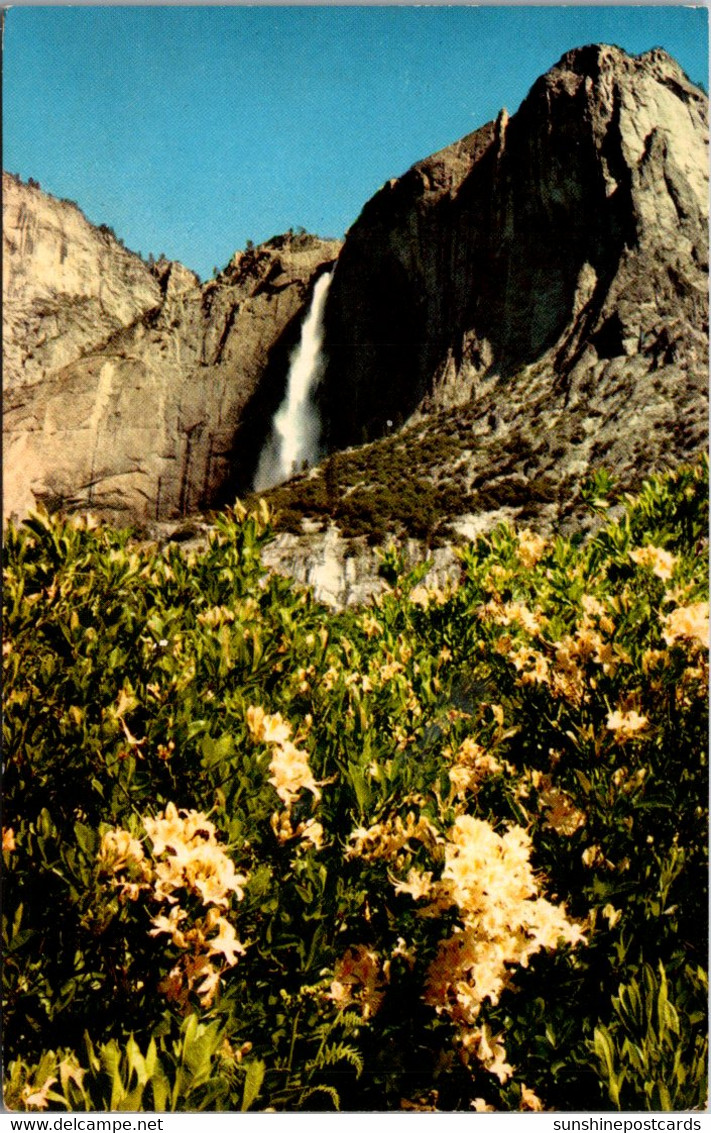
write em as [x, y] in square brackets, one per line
[294, 436]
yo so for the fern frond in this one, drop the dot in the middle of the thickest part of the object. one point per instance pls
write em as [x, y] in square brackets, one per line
[336, 1052]
[332, 1093]
[349, 1020]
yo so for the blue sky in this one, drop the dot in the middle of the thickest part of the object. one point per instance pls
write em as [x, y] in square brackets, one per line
[193, 129]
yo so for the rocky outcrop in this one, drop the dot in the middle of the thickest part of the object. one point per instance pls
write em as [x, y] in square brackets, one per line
[135, 391]
[548, 273]
[344, 573]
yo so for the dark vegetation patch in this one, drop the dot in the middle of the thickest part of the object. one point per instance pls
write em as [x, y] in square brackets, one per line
[416, 481]
[408, 484]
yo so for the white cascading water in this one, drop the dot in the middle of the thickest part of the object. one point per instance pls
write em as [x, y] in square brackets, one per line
[296, 426]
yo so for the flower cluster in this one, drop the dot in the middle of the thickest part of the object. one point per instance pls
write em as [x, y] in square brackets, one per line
[193, 860]
[289, 766]
[386, 840]
[689, 623]
[489, 879]
[471, 765]
[561, 665]
[625, 723]
[530, 547]
[560, 812]
[424, 596]
[358, 979]
[187, 862]
[659, 561]
[121, 855]
[513, 614]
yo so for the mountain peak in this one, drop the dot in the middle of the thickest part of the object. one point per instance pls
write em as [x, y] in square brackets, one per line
[552, 264]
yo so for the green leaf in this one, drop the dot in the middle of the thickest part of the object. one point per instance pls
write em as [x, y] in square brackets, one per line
[216, 751]
[87, 838]
[252, 1083]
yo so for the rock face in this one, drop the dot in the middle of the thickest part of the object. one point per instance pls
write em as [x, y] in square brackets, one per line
[535, 295]
[67, 286]
[130, 390]
[548, 272]
[345, 572]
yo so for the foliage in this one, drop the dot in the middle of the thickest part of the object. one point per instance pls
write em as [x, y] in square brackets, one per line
[373, 490]
[447, 852]
[652, 1056]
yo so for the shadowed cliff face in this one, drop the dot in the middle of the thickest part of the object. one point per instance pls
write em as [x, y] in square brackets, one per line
[570, 235]
[132, 391]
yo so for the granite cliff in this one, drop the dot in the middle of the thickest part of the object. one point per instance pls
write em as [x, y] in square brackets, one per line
[548, 272]
[515, 311]
[134, 390]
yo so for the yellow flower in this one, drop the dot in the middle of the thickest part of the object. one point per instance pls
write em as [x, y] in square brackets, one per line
[687, 621]
[417, 885]
[280, 823]
[168, 831]
[8, 840]
[530, 547]
[192, 858]
[290, 773]
[265, 728]
[489, 1050]
[71, 1071]
[611, 914]
[513, 613]
[567, 678]
[387, 839]
[625, 724]
[311, 832]
[118, 850]
[472, 765]
[657, 560]
[371, 626]
[498, 714]
[533, 666]
[37, 1097]
[212, 874]
[530, 1101]
[208, 985]
[592, 606]
[489, 878]
[562, 815]
[593, 856]
[169, 925]
[226, 943]
[654, 659]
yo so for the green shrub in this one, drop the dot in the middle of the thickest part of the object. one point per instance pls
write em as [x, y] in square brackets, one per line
[259, 855]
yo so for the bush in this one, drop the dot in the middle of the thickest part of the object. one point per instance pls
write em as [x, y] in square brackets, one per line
[442, 853]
